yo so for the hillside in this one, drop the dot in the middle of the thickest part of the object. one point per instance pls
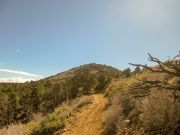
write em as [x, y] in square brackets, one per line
[18, 102]
[147, 103]
[92, 68]
[141, 102]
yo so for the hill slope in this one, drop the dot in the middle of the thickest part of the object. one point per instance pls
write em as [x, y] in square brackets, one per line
[18, 102]
[93, 68]
[143, 103]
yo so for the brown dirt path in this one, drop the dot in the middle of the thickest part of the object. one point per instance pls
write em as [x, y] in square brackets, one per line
[90, 120]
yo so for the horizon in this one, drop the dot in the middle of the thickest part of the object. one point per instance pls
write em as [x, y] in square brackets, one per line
[42, 38]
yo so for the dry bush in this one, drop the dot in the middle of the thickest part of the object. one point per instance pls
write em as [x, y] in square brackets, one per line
[15, 129]
[156, 113]
[160, 113]
[74, 105]
[128, 119]
[150, 101]
[122, 117]
[113, 115]
[84, 100]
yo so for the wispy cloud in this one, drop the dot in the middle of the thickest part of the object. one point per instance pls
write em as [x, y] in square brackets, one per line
[15, 80]
[19, 72]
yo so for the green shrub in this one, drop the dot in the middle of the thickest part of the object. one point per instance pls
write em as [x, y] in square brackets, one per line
[50, 124]
[56, 121]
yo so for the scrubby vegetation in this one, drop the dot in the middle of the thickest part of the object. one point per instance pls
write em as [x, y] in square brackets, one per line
[54, 122]
[18, 102]
[49, 124]
[15, 129]
[147, 103]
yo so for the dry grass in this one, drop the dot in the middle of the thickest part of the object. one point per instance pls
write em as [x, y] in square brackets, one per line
[74, 105]
[16, 129]
[156, 113]
[113, 115]
[84, 100]
[54, 122]
[160, 112]
[122, 84]
[22, 129]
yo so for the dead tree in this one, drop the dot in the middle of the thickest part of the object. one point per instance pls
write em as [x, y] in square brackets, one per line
[171, 66]
[143, 87]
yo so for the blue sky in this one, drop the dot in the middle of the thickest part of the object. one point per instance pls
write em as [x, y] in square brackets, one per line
[45, 37]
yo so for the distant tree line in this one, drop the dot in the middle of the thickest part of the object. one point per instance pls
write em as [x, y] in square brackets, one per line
[127, 72]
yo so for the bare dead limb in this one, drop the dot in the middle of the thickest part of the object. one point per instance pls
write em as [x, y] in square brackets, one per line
[171, 67]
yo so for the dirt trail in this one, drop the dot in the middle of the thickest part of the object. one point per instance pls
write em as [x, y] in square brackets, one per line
[89, 120]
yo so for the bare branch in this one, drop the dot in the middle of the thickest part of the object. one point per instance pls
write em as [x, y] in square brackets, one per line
[171, 67]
